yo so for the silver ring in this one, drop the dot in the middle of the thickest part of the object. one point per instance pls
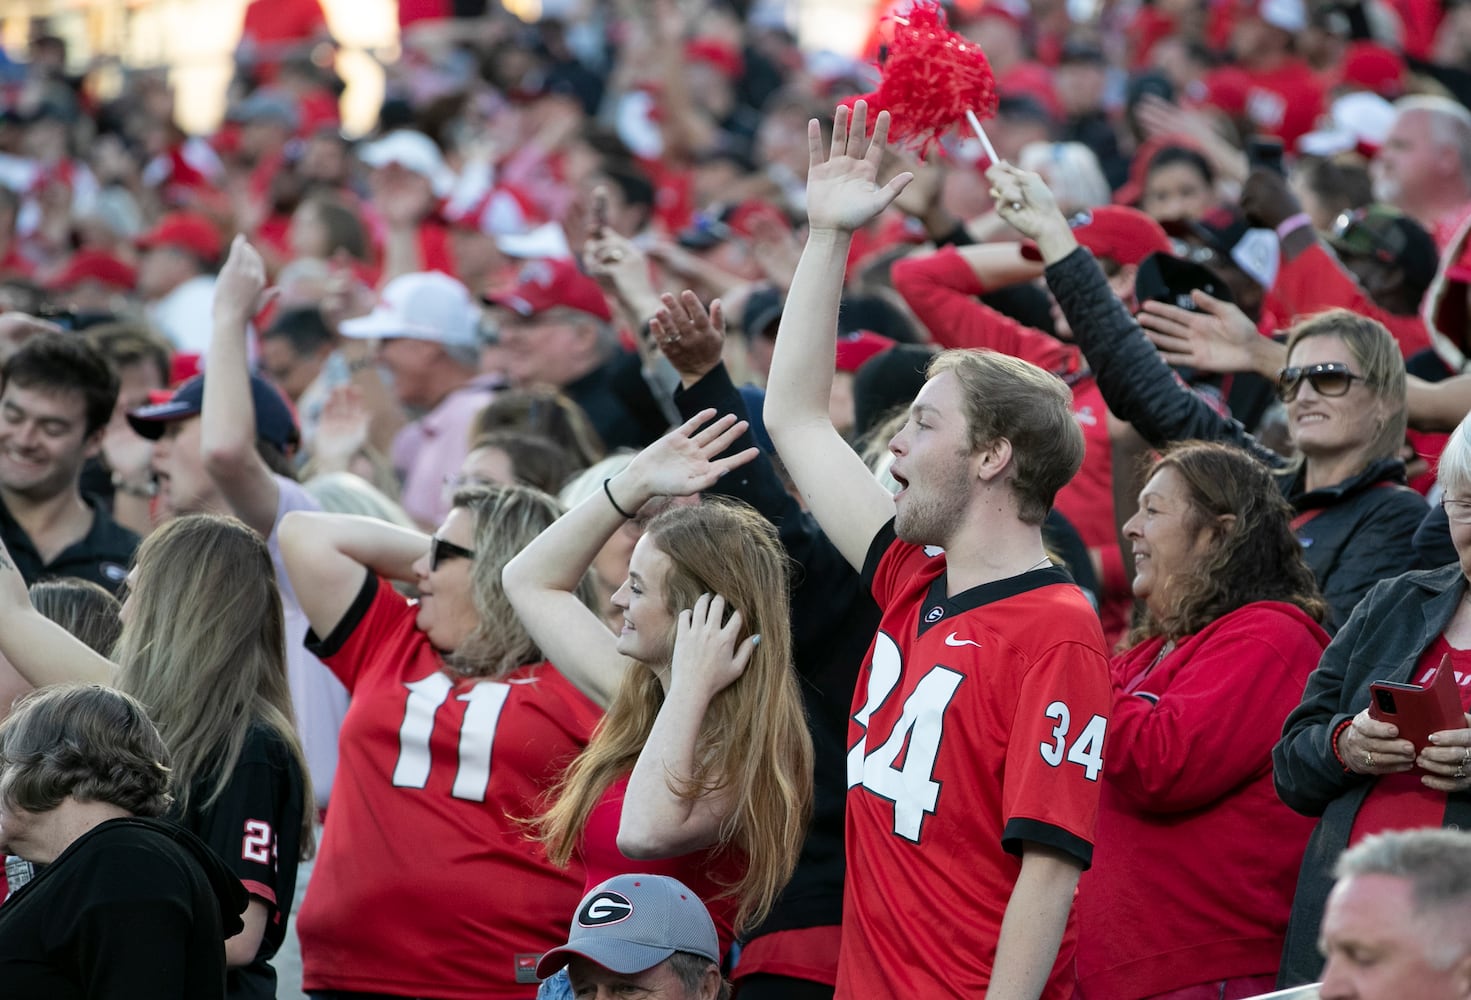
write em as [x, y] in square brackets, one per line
[1016, 206]
[1460, 773]
[1368, 759]
[613, 254]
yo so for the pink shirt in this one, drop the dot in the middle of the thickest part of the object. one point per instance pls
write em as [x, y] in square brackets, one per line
[432, 447]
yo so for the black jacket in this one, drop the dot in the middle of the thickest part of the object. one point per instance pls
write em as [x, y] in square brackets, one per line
[834, 619]
[1361, 530]
[1381, 641]
[134, 909]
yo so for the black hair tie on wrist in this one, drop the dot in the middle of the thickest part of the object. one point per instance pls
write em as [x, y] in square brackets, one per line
[627, 516]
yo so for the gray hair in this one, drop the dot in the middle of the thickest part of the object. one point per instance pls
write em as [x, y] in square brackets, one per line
[1436, 863]
[1450, 124]
[691, 970]
[1454, 472]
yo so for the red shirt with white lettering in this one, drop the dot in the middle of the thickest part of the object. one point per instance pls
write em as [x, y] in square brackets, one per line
[978, 728]
[427, 883]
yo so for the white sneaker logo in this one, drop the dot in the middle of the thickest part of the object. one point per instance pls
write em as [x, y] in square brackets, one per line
[951, 640]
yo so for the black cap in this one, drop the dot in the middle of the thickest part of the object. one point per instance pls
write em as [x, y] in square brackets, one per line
[1163, 278]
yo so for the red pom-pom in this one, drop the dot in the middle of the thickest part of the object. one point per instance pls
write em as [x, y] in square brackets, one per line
[931, 78]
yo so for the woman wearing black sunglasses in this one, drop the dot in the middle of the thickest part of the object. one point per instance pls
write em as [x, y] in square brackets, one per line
[426, 884]
[1344, 386]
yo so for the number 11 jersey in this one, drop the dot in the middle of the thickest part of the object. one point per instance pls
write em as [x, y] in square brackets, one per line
[978, 727]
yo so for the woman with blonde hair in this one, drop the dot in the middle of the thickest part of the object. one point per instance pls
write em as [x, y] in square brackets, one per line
[203, 647]
[427, 885]
[702, 768]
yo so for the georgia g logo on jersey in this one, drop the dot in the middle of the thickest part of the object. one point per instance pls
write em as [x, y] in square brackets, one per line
[607, 907]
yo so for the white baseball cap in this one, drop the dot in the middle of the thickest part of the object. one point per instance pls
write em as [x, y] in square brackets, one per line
[425, 305]
[1289, 15]
[413, 151]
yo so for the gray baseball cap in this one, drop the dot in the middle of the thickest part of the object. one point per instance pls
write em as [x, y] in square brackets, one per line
[633, 922]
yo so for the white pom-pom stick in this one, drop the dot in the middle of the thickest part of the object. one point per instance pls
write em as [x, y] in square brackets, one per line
[975, 123]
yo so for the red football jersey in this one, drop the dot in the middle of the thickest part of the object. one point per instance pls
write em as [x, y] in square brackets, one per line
[978, 727]
[427, 883]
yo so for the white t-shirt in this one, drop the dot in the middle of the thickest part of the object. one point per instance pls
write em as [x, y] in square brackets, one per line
[318, 696]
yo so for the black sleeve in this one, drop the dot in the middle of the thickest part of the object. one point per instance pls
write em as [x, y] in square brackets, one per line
[1136, 383]
[131, 931]
[830, 605]
[351, 619]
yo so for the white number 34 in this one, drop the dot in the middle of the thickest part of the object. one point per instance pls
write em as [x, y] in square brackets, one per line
[1086, 749]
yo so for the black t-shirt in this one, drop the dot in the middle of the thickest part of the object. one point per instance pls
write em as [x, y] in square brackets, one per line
[255, 828]
[130, 911]
[102, 556]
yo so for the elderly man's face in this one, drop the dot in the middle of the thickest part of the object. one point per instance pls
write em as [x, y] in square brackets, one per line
[1378, 948]
[591, 981]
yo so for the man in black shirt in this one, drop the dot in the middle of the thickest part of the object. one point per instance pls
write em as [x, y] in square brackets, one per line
[56, 396]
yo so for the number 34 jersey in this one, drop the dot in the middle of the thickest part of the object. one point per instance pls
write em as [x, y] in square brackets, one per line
[427, 882]
[978, 727]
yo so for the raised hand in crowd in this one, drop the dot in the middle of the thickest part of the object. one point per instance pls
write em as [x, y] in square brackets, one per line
[1219, 337]
[1267, 199]
[1027, 204]
[18, 327]
[342, 431]
[690, 337]
[619, 266]
[843, 193]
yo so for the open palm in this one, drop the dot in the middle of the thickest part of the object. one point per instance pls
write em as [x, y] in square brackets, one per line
[843, 192]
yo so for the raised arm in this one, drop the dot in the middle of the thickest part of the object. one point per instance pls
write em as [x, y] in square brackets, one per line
[842, 195]
[227, 427]
[327, 556]
[1136, 383]
[42, 651]
[541, 581]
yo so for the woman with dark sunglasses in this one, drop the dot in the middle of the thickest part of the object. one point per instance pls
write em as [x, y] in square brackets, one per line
[426, 883]
[1344, 387]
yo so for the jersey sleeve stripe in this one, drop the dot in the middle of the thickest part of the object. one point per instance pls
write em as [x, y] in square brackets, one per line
[259, 889]
[1020, 832]
[886, 537]
[351, 619]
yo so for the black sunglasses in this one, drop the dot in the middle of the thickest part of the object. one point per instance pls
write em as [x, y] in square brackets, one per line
[1330, 379]
[440, 550]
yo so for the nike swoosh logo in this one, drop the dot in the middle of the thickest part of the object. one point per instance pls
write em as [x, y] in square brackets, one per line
[951, 640]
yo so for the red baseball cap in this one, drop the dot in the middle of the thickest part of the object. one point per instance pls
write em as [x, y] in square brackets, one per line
[544, 285]
[1374, 67]
[1123, 235]
[95, 265]
[185, 231]
[857, 347]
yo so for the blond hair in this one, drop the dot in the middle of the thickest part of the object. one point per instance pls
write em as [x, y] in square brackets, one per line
[754, 743]
[204, 649]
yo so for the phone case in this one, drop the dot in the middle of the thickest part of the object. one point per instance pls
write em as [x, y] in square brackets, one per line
[1420, 711]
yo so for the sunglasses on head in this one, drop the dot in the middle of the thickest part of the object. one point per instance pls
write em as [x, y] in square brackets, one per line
[440, 550]
[1330, 379]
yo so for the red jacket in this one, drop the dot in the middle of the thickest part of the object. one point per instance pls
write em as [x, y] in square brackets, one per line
[1314, 280]
[1196, 858]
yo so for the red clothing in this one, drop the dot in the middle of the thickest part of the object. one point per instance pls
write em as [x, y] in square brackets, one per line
[1193, 876]
[1284, 102]
[274, 22]
[1401, 801]
[709, 873]
[427, 885]
[978, 727]
[941, 289]
[1314, 280]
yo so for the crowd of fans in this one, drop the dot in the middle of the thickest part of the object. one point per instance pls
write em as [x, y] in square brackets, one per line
[622, 477]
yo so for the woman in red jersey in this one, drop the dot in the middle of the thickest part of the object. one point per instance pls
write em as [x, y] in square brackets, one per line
[426, 884]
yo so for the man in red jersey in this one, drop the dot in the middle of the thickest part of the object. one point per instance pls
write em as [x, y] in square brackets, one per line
[977, 737]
